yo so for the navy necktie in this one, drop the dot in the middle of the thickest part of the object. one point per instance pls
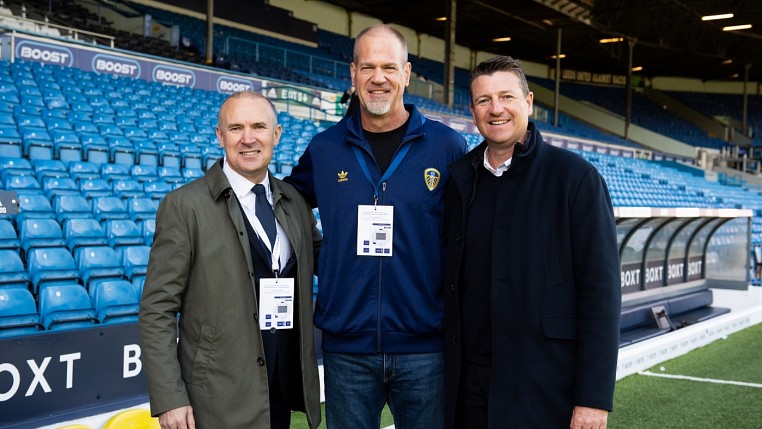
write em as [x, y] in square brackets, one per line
[265, 213]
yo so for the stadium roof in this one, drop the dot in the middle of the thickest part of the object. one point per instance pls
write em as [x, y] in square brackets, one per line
[671, 39]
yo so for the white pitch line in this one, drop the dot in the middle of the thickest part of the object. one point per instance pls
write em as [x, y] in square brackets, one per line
[703, 380]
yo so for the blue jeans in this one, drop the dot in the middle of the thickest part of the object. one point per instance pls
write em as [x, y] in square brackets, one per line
[358, 386]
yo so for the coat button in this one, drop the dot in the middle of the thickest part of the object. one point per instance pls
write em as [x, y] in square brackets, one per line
[260, 361]
[452, 287]
[452, 339]
[256, 317]
[457, 237]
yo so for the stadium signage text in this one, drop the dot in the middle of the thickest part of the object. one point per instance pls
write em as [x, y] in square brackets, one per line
[174, 76]
[44, 53]
[229, 85]
[52, 373]
[116, 65]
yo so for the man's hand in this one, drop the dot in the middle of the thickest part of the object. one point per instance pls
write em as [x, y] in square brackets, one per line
[179, 418]
[588, 418]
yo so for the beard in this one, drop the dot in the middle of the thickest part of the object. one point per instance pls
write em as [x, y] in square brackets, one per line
[379, 107]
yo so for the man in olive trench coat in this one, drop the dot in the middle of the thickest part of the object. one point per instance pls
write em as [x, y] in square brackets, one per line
[201, 267]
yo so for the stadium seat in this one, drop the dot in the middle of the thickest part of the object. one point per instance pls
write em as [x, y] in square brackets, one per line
[10, 141]
[35, 233]
[147, 228]
[121, 150]
[71, 206]
[94, 148]
[105, 208]
[23, 184]
[134, 260]
[49, 168]
[93, 188]
[115, 301]
[65, 306]
[83, 232]
[133, 419]
[9, 239]
[84, 170]
[157, 190]
[36, 143]
[123, 232]
[171, 175]
[169, 154]
[191, 174]
[128, 189]
[51, 265]
[96, 263]
[141, 208]
[18, 312]
[12, 271]
[53, 186]
[10, 166]
[34, 207]
[67, 145]
[144, 172]
[112, 172]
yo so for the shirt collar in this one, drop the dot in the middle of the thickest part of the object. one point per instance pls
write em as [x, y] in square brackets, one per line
[502, 168]
[241, 185]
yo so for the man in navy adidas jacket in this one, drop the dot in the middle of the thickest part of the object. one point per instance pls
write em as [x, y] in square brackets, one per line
[378, 178]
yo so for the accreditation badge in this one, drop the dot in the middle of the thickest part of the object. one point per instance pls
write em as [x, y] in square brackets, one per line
[276, 303]
[375, 226]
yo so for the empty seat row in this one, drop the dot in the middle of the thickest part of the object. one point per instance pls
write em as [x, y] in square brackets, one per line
[75, 233]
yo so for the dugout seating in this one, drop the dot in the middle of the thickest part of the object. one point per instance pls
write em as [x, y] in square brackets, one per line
[643, 321]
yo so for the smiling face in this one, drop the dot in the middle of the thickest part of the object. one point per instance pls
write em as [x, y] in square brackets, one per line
[248, 132]
[500, 108]
[380, 72]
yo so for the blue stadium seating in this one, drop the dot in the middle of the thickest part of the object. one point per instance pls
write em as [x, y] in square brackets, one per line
[83, 232]
[44, 168]
[84, 170]
[51, 265]
[123, 232]
[128, 189]
[134, 260]
[157, 190]
[144, 173]
[71, 206]
[10, 141]
[35, 233]
[18, 312]
[17, 166]
[65, 306]
[141, 208]
[93, 188]
[96, 263]
[22, 184]
[147, 228]
[106, 208]
[34, 206]
[112, 172]
[9, 239]
[12, 271]
[53, 186]
[115, 301]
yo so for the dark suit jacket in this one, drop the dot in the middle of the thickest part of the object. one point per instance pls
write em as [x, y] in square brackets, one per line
[201, 267]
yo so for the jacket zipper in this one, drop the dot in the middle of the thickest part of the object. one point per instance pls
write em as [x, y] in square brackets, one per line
[380, 282]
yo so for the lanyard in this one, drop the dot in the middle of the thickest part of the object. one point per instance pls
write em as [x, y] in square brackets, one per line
[275, 250]
[389, 171]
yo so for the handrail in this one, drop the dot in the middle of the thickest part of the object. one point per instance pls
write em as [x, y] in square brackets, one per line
[73, 31]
